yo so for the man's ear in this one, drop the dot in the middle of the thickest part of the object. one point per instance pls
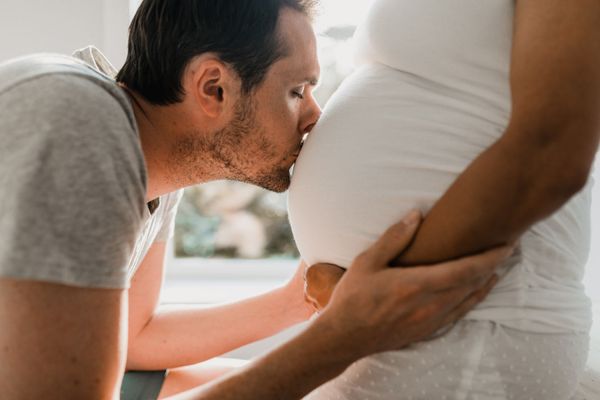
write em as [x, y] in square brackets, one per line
[213, 86]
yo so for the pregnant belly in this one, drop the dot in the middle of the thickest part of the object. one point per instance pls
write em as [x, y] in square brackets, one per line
[386, 144]
[340, 203]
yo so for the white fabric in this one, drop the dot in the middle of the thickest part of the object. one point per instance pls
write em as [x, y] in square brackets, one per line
[160, 225]
[476, 360]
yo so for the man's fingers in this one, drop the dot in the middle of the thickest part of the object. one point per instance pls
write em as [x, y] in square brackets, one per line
[470, 302]
[470, 271]
[451, 306]
[394, 240]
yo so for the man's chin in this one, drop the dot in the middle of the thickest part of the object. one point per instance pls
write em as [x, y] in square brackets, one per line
[278, 187]
[277, 182]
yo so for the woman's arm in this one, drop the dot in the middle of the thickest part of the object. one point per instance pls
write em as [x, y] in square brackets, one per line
[546, 153]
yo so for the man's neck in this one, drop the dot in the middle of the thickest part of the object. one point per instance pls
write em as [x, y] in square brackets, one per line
[154, 132]
[162, 131]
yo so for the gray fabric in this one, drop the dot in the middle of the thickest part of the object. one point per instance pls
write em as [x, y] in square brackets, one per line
[72, 174]
[159, 225]
[142, 385]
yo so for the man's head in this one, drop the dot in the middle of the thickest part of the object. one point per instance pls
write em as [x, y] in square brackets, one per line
[243, 70]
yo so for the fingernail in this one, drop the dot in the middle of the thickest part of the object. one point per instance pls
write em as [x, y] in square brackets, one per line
[413, 218]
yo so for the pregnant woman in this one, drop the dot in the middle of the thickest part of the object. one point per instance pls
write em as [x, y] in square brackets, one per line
[483, 114]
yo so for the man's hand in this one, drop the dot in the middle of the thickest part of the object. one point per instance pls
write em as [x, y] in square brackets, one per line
[373, 309]
[386, 308]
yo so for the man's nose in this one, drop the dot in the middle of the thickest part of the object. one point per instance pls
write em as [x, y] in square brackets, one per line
[312, 116]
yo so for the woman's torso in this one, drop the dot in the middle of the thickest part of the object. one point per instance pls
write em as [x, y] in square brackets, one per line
[431, 93]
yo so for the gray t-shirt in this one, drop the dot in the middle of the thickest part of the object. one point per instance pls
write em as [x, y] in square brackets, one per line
[72, 175]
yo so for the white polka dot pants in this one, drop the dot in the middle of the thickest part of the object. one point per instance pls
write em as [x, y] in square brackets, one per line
[476, 360]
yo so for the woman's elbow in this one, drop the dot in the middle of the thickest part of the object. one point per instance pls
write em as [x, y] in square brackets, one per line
[559, 160]
[566, 179]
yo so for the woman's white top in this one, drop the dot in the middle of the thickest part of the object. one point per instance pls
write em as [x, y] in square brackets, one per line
[430, 93]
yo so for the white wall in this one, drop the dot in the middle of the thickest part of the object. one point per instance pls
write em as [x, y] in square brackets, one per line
[30, 26]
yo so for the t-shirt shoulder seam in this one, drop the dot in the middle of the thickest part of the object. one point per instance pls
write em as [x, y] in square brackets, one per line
[76, 74]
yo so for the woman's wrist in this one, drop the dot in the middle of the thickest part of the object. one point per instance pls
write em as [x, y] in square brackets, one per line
[293, 302]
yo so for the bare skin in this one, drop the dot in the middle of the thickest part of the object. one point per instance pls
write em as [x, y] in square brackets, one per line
[321, 280]
[544, 156]
[154, 344]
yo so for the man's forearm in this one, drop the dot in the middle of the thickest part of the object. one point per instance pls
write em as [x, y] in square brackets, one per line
[500, 195]
[174, 338]
[388, 314]
[289, 372]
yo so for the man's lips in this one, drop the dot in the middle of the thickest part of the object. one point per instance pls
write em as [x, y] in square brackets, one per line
[297, 153]
[300, 147]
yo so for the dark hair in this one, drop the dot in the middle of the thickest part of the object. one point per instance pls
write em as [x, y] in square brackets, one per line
[166, 34]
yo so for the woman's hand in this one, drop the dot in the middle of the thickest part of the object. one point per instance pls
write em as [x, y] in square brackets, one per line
[295, 297]
[321, 280]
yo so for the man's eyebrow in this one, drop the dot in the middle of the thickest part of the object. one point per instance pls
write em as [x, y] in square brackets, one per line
[312, 81]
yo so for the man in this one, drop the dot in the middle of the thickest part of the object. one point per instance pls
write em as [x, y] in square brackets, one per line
[90, 169]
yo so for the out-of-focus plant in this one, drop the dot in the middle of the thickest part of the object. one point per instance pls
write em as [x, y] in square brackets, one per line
[233, 220]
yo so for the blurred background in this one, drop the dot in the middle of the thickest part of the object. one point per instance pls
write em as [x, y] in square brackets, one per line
[232, 240]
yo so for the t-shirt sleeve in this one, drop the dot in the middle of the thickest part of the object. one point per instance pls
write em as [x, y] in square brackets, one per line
[73, 183]
[171, 203]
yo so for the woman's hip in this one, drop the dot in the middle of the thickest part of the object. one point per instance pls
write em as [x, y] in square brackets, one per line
[475, 360]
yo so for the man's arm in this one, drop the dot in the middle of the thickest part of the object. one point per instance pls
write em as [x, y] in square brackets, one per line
[547, 151]
[398, 307]
[177, 337]
[60, 342]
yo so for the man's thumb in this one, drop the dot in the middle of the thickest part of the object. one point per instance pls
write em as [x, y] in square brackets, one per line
[395, 239]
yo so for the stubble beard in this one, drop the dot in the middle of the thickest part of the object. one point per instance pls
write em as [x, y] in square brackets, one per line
[231, 153]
